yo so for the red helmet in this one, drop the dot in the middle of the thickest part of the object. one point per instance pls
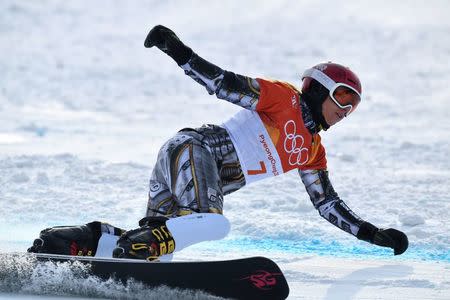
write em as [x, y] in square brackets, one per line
[332, 76]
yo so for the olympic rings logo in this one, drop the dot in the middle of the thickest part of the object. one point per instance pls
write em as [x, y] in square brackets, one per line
[293, 144]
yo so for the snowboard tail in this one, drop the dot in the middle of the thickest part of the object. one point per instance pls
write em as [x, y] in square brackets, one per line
[247, 278]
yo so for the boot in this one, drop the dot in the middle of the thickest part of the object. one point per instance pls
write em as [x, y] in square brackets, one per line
[72, 240]
[149, 241]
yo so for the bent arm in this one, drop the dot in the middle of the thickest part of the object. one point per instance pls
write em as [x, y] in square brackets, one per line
[332, 208]
[335, 211]
[237, 89]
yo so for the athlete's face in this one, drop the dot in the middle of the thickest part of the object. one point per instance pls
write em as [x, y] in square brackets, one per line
[331, 112]
[343, 102]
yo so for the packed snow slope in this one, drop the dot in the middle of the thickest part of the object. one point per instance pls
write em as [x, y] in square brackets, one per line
[84, 108]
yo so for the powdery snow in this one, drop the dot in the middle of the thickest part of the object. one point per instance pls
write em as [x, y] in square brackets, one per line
[84, 108]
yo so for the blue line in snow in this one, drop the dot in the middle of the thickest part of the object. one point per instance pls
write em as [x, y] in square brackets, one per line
[358, 249]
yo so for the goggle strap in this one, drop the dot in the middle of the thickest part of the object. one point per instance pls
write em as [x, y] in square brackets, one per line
[321, 77]
[326, 81]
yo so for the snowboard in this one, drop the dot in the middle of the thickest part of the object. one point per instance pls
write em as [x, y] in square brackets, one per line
[246, 278]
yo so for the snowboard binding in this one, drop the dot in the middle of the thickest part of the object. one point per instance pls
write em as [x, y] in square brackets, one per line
[151, 240]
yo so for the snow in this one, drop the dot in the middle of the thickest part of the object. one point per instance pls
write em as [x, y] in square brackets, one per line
[84, 108]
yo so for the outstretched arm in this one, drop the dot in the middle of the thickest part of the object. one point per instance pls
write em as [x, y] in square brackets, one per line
[334, 210]
[235, 88]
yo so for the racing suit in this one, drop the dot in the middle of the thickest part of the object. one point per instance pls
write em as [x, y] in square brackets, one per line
[273, 134]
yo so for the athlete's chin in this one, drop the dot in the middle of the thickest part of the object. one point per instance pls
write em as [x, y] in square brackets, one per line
[332, 122]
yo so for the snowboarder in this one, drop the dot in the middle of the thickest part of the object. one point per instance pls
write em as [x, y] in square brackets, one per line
[276, 131]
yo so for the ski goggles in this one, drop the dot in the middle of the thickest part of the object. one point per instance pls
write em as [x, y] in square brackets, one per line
[343, 95]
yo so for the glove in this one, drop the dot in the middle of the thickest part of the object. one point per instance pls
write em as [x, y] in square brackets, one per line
[168, 42]
[390, 237]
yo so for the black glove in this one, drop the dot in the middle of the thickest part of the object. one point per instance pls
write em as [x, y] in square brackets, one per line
[168, 42]
[390, 237]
